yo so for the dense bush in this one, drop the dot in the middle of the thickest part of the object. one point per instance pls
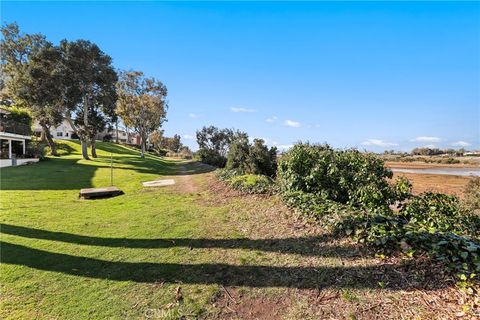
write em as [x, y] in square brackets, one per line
[344, 176]
[227, 174]
[36, 149]
[349, 192]
[251, 183]
[432, 222]
[254, 158]
[211, 157]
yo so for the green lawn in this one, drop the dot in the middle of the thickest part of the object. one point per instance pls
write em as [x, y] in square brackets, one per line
[125, 257]
[56, 262]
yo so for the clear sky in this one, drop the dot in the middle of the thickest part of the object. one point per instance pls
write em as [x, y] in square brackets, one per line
[368, 75]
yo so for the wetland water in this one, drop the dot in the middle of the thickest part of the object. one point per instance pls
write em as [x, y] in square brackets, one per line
[449, 171]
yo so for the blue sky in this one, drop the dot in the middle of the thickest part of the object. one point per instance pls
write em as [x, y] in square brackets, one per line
[369, 75]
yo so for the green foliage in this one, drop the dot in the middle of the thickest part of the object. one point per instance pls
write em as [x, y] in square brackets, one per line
[251, 183]
[35, 149]
[254, 158]
[436, 212]
[214, 144]
[211, 157]
[345, 176]
[20, 115]
[226, 174]
[348, 192]
[431, 222]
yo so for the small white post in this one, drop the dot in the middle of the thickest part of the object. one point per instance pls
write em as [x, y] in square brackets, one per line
[24, 146]
[9, 149]
[111, 169]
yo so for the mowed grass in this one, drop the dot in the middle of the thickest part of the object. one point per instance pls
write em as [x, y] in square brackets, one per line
[67, 258]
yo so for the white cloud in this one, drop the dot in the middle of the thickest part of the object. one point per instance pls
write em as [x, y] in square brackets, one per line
[283, 147]
[461, 144]
[194, 115]
[271, 119]
[188, 137]
[425, 139]
[430, 146]
[293, 124]
[379, 143]
[237, 109]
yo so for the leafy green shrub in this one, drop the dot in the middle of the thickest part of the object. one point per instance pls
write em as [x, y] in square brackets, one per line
[36, 149]
[436, 212]
[211, 157]
[227, 174]
[345, 176]
[431, 222]
[250, 183]
[254, 158]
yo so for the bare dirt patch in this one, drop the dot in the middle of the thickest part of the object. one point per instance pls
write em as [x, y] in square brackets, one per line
[448, 184]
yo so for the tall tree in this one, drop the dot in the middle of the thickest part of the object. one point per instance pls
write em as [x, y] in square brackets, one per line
[89, 90]
[141, 104]
[31, 77]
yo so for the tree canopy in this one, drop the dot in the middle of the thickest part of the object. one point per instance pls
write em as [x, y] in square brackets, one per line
[141, 104]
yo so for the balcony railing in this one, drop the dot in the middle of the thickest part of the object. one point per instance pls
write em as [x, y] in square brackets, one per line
[9, 126]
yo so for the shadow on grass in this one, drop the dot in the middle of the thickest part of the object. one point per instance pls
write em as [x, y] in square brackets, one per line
[308, 246]
[52, 174]
[209, 273]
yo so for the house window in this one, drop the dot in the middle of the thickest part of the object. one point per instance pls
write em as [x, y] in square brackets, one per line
[66, 134]
[59, 134]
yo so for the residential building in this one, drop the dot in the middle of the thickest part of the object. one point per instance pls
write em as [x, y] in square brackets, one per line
[14, 137]
[63, 131]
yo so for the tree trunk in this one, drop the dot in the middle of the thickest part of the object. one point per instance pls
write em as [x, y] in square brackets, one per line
[43, 137]
[94, 148]
[84, 148]
[84, 139]
[51, 143]
[142, 147]
[116, 132]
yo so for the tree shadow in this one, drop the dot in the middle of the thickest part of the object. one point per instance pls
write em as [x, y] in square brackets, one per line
[308, 246]
[215, 273]
[52, 174]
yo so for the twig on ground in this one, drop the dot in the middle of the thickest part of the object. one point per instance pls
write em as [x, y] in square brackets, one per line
[228, 294]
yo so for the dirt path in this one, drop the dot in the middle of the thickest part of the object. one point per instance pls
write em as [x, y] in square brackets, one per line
[184, 181]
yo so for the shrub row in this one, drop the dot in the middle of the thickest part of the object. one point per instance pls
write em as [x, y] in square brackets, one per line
[348, 192]
[248, 183]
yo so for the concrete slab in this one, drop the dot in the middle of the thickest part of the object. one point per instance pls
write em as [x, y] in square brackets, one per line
[159, 183]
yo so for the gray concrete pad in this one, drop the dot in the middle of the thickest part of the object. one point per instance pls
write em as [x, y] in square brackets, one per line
[159, 183]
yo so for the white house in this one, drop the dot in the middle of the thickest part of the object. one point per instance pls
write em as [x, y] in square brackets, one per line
[13, 141]
[63, 131]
